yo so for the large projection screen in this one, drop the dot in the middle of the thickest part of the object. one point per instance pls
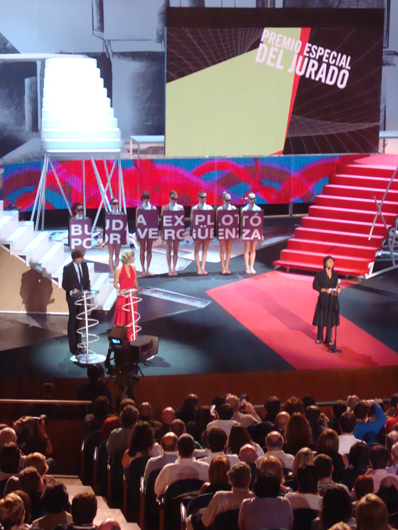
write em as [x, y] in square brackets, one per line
[258, 82]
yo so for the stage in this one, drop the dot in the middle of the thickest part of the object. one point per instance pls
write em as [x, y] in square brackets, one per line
[218, 333]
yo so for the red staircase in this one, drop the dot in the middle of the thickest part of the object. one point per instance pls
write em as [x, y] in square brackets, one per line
[340, 220]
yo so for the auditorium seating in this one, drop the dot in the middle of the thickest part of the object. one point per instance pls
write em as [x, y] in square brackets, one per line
[340, 220]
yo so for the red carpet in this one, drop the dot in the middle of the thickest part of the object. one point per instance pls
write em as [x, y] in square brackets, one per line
[339, 222]
[278, 308]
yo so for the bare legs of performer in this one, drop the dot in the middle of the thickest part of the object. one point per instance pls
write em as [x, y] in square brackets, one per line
[225, 255]
[169, 246]
[201, 265]
[249, 255]
[146, 245]
[114, 250]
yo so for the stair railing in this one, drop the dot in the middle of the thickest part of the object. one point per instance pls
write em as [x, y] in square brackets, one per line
[379, 206]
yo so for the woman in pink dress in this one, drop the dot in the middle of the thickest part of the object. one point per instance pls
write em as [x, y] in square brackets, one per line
[126, 278]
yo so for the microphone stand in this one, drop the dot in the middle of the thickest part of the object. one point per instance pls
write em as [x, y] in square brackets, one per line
[333, 348]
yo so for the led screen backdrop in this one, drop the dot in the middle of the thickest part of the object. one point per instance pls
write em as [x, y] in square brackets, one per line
[261, 82]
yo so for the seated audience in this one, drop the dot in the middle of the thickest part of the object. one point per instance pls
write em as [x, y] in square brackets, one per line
[113, 422]
[169, 445]
[202, 419]
[109, 524]
[378, 458]
[294, 405]
[51, 411]
[358, 464]
[7, 435]
[32, 436]
[187, 412]
[218, 475]
[145, 414]
[248, 455]
[313, 415]
[101, 411]
[272, 407]
[177, 427]
[328, 444]
[363, 485]
[224, 420]
[371, 514]
[239, 436]
[273, 465]
[365, 429]
[298, 434]
[12, 511]
[119, 438]
[28, 506]
[281, 421]
[142, 443]
[389, 495]
[56, 503]
[347, 439]
[324, 467]
[84, 510]
[217, 441]
[223, 501]
[185, 467]
[304, 456]
[168, 415]
[31, 483]
[339, 407]
[307, 495]
[95, 386]
[274, 444]
[244, 412]
[267, 509]
[393, 468]
[9, 464]
[336, 508]
[352, 402]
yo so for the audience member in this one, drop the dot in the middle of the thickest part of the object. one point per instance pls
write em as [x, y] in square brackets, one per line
[239, 478]
[347, 439]
[393, 468]
[274, 445]
[225, 421]
[109, 524]
[187, 412]
[336, 508]
[339, 407]
[177, 427]
[50, 410]
[313, 415]
[293, 405]
[12, 511]
[202, 419]
[304, 456]
[244, 412]
[358, 459]
[308, 401]
[9, 464]
[378, 458]
[84, 510]
[363, 485]
[183, 468]
[248, 455]
[95, 386]
[55, 500]
[169, 445]
[298, 433]
[272, 407]
[113, 422]
[142, 443]
[371, 514]
[31, 482]
[328, 444]
[324, 467]
[389, 495]
[93, 421]
[7, 435]
[28, 506]
[364, 429]
[273, 465]
[217, 441]
[351, 402]
[32, 436]
[239, 436]
[218, 475]
[119, 438]
[267, 509]
[145, 414]
[307, 495]
[281, 422]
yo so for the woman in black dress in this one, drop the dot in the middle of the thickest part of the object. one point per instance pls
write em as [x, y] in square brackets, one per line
[327, 308]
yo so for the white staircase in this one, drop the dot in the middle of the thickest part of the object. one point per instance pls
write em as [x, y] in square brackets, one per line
[48, 257]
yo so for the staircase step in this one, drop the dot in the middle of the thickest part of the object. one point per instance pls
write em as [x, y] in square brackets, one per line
[359, 192]
[53, 258]
[336, 236]
[367, 170]
[319, 267]
[21, 236]
[317, 258]
[349, 214]
[343, 225]
[102, 285]
[348, 202]
[8, 225]
[363, 181]
[326, 248]
[37, 248]
[108, 303]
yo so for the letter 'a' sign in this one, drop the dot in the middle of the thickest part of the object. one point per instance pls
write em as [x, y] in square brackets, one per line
[147, 224]
[115, 229]
[228, 224]
[203, 225]
[252, 225]
[80, 234]
[173, 225]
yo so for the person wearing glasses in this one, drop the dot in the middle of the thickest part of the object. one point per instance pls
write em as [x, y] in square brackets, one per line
[172, 245]
[78, 211]
[201, 243]
[145, 244]
[249, 253]
[114, 250]
[225, 244]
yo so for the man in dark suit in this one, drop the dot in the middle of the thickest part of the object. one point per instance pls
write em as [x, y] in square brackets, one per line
[75, 279]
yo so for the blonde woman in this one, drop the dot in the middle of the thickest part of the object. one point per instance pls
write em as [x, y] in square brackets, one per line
[125, 279]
